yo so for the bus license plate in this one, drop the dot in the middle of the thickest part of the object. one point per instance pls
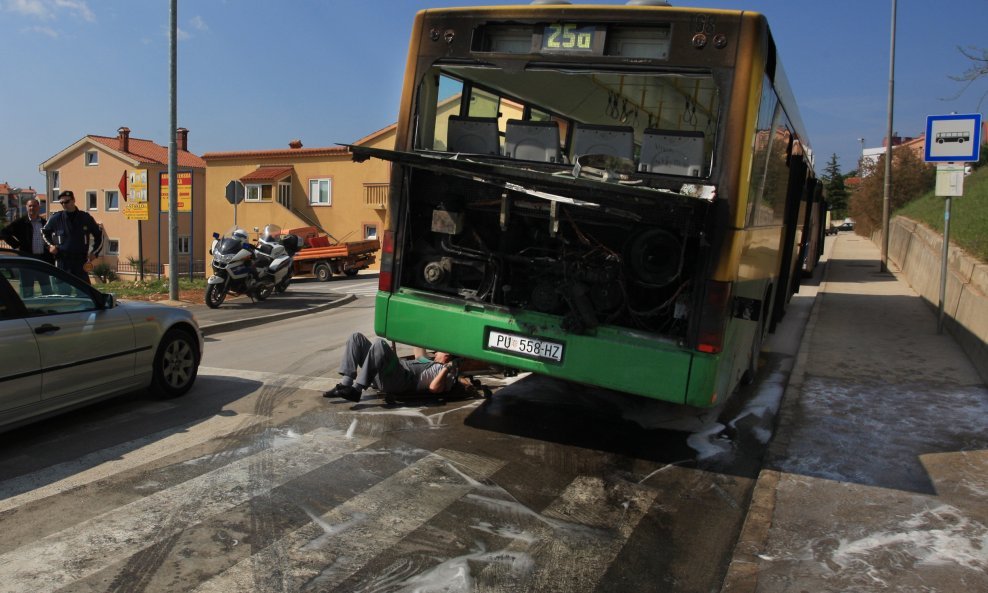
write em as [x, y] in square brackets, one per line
[525, 346]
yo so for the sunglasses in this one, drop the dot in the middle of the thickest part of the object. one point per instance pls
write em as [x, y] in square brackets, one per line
[64, 202]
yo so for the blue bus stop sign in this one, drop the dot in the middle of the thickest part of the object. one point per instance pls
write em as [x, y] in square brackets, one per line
[953, 138]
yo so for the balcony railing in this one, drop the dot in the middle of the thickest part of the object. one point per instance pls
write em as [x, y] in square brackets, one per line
[376, 196]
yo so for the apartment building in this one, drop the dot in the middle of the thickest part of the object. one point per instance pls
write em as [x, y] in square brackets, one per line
[122, 181]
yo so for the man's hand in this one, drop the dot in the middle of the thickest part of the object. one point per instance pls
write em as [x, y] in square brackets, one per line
[52, 249]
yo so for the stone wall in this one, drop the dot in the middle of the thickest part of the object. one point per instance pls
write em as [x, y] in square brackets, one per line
[918, 253]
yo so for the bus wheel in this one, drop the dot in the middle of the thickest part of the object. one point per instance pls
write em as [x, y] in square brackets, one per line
[322, 272]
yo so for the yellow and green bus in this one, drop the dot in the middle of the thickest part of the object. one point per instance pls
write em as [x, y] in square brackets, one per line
[621, 196]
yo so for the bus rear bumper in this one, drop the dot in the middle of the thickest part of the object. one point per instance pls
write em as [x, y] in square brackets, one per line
[611, 357]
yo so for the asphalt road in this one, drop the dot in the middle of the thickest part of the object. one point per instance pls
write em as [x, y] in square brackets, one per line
[254, 482]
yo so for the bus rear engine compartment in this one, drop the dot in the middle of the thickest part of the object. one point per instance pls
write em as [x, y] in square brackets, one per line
[588, 266]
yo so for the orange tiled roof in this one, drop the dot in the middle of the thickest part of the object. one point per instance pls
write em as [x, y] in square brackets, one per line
[149, 152]
[268, 174]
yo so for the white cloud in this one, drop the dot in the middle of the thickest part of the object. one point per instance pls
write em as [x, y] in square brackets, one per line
[78, 6]
[43, 31]
[34, 8]
[198, 23]
[49, 9]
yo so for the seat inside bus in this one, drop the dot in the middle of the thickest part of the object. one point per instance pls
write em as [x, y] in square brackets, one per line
[475, 135]
[673, 152]
[618, 141]
[532, 140]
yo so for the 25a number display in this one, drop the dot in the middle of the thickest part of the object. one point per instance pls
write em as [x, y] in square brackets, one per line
[567, 37]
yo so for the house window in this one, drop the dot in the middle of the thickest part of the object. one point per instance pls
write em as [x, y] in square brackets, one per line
[92, 158]
[285, 194]
[112, 199]
[91, 201]
[255, 192]
[370, 231]
[183, 245]
[113, 246]
[321, 192]
[54, 185]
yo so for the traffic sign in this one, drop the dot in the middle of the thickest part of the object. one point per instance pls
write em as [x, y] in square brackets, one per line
[234, 192]
[953, 138]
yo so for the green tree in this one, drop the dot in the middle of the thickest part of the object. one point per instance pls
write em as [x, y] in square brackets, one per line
[911, 178]
[833, 185]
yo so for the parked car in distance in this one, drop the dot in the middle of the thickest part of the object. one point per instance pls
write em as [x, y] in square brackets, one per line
[831, 230]
[846, 226]
[64, 344]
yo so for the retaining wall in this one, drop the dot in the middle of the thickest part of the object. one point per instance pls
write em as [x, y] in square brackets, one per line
[918, 253]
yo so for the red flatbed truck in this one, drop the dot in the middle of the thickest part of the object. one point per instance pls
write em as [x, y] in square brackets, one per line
[322, 257]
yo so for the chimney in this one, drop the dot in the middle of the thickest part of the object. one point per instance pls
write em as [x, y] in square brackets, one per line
[182, 139]
[123, 135]
[295, 144]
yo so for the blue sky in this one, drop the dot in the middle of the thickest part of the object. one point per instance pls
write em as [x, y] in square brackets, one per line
[256, 74]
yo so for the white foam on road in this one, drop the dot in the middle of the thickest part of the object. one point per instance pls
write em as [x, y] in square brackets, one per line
[361, 528]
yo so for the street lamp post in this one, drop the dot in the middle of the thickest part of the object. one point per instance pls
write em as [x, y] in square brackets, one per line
[888, 150]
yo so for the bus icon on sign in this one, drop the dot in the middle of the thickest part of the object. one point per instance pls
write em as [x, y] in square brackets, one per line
[953, 137]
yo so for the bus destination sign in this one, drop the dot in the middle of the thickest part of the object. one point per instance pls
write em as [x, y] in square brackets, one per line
[568, 37]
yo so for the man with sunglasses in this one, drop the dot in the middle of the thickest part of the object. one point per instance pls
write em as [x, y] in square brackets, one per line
[68, 234]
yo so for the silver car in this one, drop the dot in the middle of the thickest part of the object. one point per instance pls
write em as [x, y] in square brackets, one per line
[64, 344]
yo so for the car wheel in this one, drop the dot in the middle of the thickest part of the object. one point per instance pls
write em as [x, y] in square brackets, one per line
[215, 294]
[176, 364]
[322, 272]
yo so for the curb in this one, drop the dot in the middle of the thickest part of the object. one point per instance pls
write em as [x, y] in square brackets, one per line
[225, 326]
[742, 572]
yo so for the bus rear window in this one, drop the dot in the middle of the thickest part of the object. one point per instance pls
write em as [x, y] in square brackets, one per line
[665, 122]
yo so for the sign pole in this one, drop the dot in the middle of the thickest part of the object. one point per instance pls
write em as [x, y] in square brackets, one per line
[951, 140]
[943, 265]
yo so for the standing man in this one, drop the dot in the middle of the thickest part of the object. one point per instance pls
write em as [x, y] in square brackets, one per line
[67, 234]
[24, 235]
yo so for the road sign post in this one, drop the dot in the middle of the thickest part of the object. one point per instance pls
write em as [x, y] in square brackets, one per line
[950, 139]
[235, 194]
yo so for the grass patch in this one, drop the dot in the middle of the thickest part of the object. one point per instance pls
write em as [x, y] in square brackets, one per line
[968, 214]
[149, 287]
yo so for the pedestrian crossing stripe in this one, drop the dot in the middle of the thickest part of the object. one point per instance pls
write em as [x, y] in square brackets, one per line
[567, 546]
[59, 559]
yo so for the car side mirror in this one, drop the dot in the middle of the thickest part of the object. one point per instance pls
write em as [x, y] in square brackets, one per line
[109, 301]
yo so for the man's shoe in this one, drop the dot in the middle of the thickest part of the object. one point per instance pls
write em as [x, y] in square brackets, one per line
[347, 392]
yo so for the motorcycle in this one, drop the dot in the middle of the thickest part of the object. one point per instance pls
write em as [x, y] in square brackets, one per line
[242, 268]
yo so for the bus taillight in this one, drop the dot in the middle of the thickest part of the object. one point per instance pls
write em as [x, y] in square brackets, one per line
[387, 261]
[713, 317]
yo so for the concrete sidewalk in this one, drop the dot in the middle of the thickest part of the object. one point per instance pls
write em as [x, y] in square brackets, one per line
[301, 298]
[877, 475]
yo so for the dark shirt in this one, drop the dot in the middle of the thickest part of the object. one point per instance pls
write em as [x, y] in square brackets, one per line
[19, 234]
[70, 232]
